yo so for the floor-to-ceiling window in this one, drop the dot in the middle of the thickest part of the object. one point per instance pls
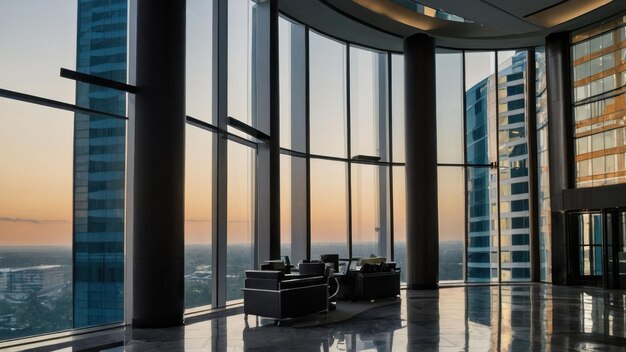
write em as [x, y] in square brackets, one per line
[198, 217]
[513, 166]
[199, 155]
[497, 164]
[451, 172]
[480, 139]
[62, 179]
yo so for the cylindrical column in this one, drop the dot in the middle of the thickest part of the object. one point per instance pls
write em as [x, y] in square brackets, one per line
[158, 232]
[274, 144]
[422, 240]
[560, 144]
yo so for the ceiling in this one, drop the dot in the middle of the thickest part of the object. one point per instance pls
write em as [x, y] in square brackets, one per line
[497, 24]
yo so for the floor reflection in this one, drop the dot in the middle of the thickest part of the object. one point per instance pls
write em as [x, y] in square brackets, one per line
[523, 317]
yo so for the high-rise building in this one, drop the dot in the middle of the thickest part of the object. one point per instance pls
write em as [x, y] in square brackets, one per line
[500, 193]
[99, 165]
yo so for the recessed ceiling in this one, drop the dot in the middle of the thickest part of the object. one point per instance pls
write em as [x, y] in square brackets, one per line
[497, 24]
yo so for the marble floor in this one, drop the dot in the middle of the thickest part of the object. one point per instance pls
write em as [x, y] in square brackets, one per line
[532, 317]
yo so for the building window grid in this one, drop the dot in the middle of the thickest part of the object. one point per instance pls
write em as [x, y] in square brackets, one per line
[599, 76]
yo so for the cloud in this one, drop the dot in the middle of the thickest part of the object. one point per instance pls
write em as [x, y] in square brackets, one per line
[31, 220]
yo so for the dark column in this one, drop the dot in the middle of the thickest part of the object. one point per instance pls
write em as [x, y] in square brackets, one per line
[560, 144]
[531, 113]
[158, 296]
[422, 240]
[275, 135]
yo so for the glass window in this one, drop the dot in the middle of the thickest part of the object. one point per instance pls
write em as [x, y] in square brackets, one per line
[449, 65]
[368, 102]
[513, 161]
[239, 63]
[73, 34]
[285, 205]
[241, 222]
[591, 120]
[198, 217]
[292, 74]
[370, 210]
[36, 154]
[451, 191]
[199, 60]
[397, 107]
[327, 89]
[329, 208]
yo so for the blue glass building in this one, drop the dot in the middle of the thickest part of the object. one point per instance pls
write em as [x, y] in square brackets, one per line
[99, 165]
[513, 162]
[481, 191]
[498, 200]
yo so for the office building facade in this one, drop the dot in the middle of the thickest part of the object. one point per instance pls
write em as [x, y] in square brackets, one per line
[99, 165]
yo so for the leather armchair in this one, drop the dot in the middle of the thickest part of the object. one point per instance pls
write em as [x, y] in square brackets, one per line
[271, 294]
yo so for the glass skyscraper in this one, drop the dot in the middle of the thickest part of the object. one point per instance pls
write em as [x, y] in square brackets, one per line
[498, 199]
[99, 165]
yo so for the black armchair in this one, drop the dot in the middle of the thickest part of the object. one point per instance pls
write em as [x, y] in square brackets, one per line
[271, 294]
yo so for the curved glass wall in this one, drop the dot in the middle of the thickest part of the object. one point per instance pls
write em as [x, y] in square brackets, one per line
[344, 202]
[342, 172]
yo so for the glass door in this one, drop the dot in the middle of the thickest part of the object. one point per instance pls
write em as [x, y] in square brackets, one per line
[586, 248]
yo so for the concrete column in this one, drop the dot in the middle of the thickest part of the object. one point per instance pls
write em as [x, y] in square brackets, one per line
[560, 144]
[159, 165]
[422, 240]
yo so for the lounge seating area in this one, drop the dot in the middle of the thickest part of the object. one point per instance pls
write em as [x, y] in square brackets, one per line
[310, 288]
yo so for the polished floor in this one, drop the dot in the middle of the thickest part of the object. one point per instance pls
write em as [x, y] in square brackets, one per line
[531, 317]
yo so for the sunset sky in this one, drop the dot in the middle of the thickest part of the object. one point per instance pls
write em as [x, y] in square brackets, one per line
[36, 143]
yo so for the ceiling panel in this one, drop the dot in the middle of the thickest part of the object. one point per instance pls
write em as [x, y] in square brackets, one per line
[523, 8]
